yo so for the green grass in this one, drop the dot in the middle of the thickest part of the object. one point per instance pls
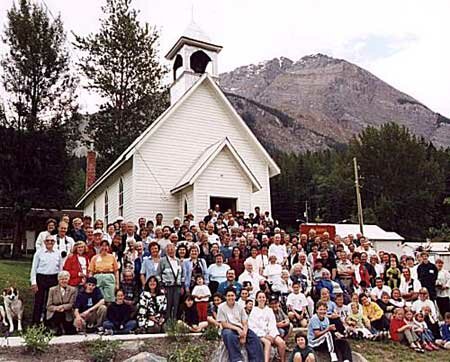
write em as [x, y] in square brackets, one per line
[17, 273]
[391, 351]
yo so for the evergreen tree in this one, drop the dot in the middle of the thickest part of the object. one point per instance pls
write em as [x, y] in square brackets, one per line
[402, 181]
[121, 64]
[39, 103]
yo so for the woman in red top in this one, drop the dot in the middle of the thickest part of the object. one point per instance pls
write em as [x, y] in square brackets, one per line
[77, 264]
[236, 262]
[403, 332]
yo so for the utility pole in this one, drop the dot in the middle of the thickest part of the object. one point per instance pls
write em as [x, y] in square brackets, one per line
[306, 211]
[358, 197]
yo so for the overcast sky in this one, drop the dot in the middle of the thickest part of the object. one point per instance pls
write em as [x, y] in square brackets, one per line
[404, 42]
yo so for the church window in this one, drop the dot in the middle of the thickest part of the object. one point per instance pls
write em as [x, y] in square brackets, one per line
[106, 208]
[120, 197]
[94, 210]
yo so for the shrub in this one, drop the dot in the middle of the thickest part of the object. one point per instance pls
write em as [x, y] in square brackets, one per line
[37, 339]
[176, 331]
[190, 353]
[211, 333]
[102, 350]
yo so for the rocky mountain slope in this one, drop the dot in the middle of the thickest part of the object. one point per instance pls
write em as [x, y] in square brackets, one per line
[319, 102]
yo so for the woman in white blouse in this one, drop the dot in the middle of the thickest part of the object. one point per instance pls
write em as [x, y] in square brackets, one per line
[273, 271]
[262, 321]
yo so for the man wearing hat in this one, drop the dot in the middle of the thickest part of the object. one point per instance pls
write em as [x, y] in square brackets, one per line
[284, 325]
[95, 247]
[89, 308]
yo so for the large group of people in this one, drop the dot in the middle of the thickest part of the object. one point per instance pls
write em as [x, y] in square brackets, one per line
[243, 275]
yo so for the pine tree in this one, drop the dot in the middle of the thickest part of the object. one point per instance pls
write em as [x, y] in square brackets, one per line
[39, 103]
[121, 65]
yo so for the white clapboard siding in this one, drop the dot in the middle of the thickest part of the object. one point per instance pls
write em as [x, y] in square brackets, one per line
[223, 178]
[200, 121]
[112, 185]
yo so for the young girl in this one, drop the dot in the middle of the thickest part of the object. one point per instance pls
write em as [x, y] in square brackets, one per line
[262, 321]
[422, 330]
[213, 308]
[358, 325]
[402, 332]
[302, 352]
[189, 316]
[201, 295]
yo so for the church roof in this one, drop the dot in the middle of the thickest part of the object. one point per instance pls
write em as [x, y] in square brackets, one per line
[193, 31]
[195, 36]
[204, 160]
[130, 151]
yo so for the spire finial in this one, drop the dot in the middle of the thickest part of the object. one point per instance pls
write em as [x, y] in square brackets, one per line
[192, 12]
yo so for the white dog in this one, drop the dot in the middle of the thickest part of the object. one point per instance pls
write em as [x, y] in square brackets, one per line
[13, 308]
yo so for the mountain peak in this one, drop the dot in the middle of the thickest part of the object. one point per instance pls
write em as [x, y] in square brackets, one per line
[328, 97]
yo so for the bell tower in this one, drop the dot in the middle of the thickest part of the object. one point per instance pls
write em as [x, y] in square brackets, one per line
[192, 55]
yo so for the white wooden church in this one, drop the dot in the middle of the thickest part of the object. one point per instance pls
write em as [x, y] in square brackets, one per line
[197, 154]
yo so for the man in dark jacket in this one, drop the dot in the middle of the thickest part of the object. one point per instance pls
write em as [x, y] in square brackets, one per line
[427, 274]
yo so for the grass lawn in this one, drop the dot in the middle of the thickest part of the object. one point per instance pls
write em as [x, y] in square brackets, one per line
[13, 272]
[390, 351]
[17, 273]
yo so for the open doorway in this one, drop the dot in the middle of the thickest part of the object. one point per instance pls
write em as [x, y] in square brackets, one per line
[225, 203]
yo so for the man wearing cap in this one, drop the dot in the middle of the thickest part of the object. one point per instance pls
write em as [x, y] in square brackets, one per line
[284, 325]
[44, 275]
[95, 247]
[89, 308]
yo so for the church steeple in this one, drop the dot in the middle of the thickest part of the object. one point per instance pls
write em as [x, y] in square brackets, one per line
[192, 55]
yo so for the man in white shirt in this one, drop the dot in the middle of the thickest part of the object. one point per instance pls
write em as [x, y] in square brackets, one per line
[235, 331]
[409, 287]
[212, 237]
[44, 275]
[379, 289]
[64, 244]
[248, 275]
[278, 249]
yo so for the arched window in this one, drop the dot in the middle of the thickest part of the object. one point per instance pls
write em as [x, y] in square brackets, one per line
[106, 208]
[177, 65]
[199, 61]
[120, 197]
[94, 210]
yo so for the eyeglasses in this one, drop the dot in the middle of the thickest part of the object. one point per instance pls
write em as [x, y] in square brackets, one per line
[49, 241]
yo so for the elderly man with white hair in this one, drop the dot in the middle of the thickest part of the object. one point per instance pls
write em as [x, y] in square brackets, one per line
[252, 277]
[61, 299]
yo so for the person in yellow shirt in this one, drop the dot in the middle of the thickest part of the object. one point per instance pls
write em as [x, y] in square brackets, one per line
[375, 315]
[106, 270]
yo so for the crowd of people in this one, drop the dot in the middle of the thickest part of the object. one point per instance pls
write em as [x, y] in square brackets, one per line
[243, 275]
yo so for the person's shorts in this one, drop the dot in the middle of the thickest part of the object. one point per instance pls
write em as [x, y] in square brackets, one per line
[107, 284]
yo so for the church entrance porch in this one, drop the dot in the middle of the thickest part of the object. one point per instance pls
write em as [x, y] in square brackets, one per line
[225, 203]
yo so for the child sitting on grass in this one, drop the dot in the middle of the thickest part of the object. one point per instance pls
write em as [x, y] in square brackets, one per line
[422, 330]
[302, 352]
[358, 324]
[402, 332]
[445, 331]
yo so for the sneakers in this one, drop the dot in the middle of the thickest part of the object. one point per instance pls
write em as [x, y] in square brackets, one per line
[333, 357]
[108, 332]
